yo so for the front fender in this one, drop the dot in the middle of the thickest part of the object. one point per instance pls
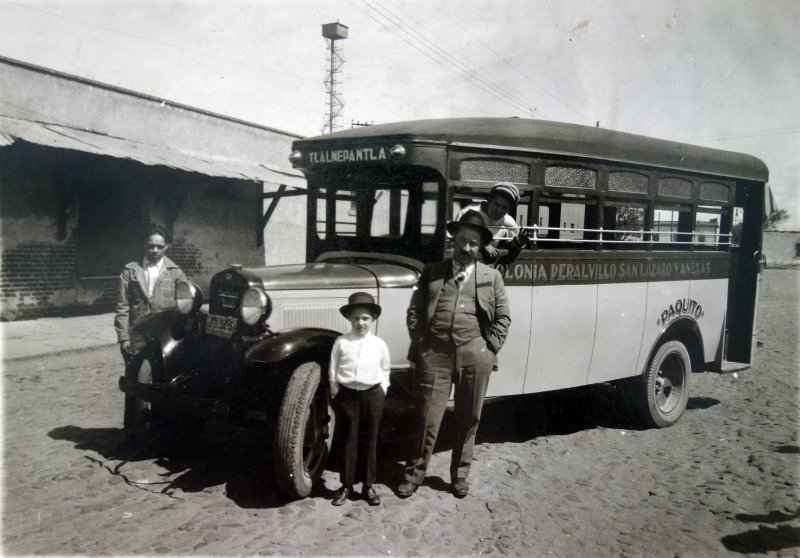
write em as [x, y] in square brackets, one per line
[285, 345]
[168, 328]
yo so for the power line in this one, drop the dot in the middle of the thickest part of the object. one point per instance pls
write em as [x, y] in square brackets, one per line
[440, 51]
[442, 60]
[437, 60]
[448, 57]
[221, 58]
[507, 63]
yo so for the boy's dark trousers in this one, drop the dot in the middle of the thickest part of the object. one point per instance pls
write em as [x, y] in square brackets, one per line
[361, 410]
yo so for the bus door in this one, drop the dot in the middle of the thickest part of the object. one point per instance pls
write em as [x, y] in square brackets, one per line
[746, 261]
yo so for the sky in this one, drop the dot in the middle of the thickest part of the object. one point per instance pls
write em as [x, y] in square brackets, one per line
[718, 73]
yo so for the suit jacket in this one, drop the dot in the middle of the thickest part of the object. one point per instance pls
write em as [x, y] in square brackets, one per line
[494, 315]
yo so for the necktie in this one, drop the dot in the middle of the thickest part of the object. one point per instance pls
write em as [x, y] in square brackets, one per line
[461, 275]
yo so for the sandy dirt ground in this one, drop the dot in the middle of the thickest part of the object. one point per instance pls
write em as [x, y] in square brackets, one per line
[560, 475]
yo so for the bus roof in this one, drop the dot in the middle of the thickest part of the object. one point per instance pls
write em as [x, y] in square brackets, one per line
[543, 136]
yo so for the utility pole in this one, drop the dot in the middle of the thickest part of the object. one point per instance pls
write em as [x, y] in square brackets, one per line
[334, 32]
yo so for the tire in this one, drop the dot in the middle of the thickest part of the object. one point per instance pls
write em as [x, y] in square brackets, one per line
[659, 397]
[303, 433]
[144, 422]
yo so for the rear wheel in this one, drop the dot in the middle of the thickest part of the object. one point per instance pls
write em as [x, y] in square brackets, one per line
[303, 433]
[659, 397]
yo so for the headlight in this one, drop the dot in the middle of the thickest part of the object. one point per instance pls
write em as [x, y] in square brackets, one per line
[397, 152]
[255, 305]
[188, 297]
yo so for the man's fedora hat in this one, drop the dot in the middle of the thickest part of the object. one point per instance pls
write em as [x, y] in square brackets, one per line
[360, 299]
[473, 220]
[507, 189]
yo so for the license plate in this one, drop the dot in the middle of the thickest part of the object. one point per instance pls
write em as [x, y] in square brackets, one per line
[220, 325]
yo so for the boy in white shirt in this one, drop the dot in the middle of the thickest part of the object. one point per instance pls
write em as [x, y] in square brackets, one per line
[359, 377]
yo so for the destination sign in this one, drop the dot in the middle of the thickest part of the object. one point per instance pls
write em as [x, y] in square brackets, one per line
[610, 271]
[356, 155]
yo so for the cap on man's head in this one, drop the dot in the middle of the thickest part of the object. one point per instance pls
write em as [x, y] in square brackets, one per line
[472, 220]
[154, 228]
[507, 189]
[360, 299]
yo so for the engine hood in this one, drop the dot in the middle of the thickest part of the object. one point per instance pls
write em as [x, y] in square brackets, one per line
[329, 275]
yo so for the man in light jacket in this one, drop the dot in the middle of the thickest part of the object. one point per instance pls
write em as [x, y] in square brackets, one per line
[145, 288]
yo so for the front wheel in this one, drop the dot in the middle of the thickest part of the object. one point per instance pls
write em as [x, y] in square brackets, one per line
[661, 394]
[303, 432]
[144, 423]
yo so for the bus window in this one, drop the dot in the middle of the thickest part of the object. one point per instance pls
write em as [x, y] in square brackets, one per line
[674, 187]
[560, 176]
[495, 170]
[566, 218]
[389, 211]
[430, 198]
[736, 230]
[707, 228]
[629, 182]
[628, 220]
[714, 191]
[669, 223]
[321, 217]
[346, 205]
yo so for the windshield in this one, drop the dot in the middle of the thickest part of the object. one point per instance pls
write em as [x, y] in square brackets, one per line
[376, 213]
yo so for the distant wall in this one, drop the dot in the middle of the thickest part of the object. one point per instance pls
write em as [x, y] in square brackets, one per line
[70, 221]
[84, 165]
[780, 247]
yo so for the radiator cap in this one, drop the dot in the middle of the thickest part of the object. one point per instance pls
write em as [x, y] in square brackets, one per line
[236, 267]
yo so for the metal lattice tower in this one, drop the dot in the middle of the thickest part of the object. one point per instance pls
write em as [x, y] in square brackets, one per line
[334, 32]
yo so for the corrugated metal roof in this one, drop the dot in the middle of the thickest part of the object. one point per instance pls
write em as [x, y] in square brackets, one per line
[65, 137]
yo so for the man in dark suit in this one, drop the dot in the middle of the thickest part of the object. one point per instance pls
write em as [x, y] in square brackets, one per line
[458, 320]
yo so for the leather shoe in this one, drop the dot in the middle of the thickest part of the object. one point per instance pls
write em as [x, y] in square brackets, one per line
[342, 496]
[371, 496]
[460, 488]
[406, 489]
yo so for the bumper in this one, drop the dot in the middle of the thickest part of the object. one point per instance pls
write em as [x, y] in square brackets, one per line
[168, 398]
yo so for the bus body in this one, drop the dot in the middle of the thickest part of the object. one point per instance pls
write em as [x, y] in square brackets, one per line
[635, 240]
[642, 267]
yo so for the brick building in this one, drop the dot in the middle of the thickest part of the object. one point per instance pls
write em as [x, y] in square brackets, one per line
[84, 166]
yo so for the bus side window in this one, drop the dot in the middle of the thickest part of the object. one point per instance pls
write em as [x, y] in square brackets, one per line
[628, 221]
[564, 222]
[669, 223]
[708, 227]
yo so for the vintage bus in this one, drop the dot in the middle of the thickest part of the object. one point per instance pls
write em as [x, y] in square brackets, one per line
[642, 267]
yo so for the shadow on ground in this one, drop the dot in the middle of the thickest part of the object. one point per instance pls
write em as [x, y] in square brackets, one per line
[240, 459]
[764, 539]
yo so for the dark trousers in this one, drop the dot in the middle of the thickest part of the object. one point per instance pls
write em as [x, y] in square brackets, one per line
[439, 366]
[362, 412]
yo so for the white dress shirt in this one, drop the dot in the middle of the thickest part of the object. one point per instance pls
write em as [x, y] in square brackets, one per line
[151, 271]
[359, 362]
